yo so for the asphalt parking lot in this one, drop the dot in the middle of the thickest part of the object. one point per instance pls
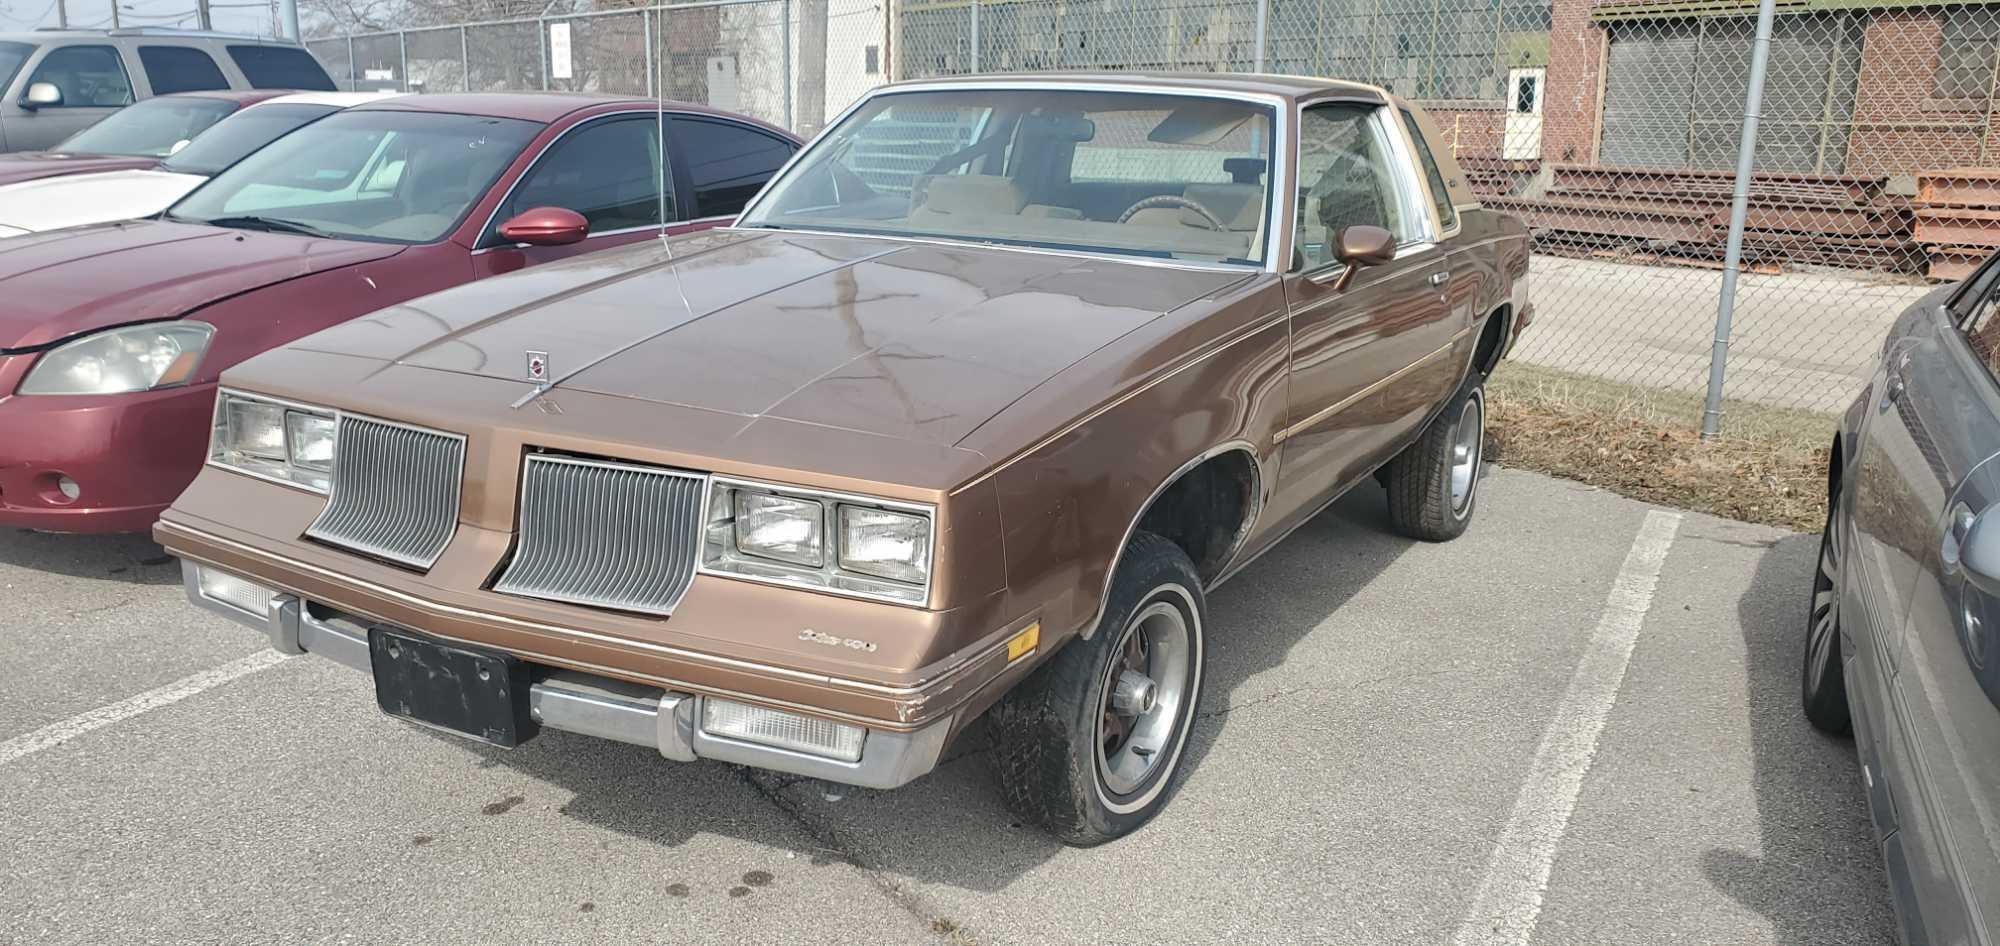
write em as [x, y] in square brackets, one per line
[1576, 725]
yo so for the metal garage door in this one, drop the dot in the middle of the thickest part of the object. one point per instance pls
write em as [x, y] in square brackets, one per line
[1673, 95]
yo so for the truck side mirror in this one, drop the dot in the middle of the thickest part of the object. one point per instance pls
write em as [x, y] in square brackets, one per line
[41, 95]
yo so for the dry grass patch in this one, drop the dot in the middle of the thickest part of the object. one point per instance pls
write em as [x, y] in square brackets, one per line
[1769, 466]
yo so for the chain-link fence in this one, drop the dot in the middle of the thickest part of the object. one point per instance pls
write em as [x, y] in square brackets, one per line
[1612, 127]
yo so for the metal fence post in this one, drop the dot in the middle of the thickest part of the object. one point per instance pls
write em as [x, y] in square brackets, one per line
[464, 61]
[791, 121]
[542, 41]
[353, 75]
[1263, 27]
[403, 58]
[975, 35]
[652, 90]
[1739, 207]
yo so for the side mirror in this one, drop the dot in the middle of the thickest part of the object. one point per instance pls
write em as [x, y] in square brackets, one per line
[42, 94]
[546, 226]
[1361, 245]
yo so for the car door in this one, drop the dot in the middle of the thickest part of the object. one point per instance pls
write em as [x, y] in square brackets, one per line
[93, 83]
[1365, 368]
[1947, 681]
[605, 168]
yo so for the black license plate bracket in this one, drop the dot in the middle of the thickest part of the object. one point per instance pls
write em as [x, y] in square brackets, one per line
[477, 693]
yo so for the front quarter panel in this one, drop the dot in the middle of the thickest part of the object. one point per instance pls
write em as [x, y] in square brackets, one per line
[1175, 392]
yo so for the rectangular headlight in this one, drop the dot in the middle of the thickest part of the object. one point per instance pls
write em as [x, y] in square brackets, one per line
[780, 527]
[784, 730]
[289, 443]
[885, 543]
[847, 544]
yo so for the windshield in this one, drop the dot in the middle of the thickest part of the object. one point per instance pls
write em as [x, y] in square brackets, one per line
[384, 176]
[1127, 173]
[236, 136]
[149, 129]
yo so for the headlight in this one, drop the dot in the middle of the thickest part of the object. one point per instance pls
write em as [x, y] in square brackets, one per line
[848, 544]
[885, 543]
[122, 360]
[290, 443]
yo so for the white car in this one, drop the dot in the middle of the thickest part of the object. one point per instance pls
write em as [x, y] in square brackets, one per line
[77, 199]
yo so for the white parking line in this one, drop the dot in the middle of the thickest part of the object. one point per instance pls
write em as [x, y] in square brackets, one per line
[1509, 901]
[57, 733]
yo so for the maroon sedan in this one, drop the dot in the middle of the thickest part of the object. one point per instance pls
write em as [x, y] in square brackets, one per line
[136, 136]
[113, 335]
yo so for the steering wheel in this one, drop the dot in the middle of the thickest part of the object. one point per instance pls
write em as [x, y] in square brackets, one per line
[1174, 200]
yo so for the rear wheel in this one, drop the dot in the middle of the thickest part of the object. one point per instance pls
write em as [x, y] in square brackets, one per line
[1823, 682]
[1089, 746]
[1433, 484]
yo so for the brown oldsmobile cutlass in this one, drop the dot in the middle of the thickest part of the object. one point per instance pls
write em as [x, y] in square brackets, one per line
[967, 412]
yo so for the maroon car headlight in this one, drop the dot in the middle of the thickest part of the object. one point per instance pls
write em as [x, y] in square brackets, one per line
[276, 440]
[121, 360]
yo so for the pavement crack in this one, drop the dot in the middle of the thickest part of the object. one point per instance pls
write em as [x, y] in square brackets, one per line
[1363, 684]
[113, 606]
[827, 839]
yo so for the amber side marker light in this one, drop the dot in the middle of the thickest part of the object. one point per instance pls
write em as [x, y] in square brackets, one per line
[1023, 644]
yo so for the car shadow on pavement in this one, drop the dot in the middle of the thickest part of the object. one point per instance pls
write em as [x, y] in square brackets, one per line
[128, 558]
[1817, 868]
[950, 827]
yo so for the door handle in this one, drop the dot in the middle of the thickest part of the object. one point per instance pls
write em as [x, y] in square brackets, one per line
[1439, 279]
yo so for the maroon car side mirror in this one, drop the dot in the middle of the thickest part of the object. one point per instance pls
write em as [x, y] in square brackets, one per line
[546, 226]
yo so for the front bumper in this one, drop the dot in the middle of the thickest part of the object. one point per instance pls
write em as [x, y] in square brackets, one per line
[570, 700]
[130, 455]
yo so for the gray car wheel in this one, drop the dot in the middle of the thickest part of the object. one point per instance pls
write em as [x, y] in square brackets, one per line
[1823, 683]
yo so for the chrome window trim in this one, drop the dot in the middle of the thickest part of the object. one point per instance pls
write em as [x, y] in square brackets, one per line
[832, 499]
[1153, 261]
[489, 227]
[697, 530]
[648, 228]
[215, 418]
[1280, 178]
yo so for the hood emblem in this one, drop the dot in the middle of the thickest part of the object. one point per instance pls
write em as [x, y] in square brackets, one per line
[538, 367]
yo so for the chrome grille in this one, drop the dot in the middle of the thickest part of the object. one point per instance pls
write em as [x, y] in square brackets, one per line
[395, 491]
[607, 535]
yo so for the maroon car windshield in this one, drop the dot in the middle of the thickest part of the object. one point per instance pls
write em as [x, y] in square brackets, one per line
[386, 176]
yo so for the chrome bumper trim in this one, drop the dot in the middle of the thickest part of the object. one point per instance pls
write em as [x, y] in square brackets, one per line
[605, 708]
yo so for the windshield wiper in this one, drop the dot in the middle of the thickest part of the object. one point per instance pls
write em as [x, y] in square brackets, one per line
[268, 224]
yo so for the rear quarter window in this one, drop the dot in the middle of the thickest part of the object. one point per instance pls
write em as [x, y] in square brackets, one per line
[171, 69]
[281, 67]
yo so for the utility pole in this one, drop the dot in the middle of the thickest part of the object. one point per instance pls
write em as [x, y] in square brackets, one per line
[288, 12]
[62, 14]
[812, 67]
[114, 14]
[201, 18]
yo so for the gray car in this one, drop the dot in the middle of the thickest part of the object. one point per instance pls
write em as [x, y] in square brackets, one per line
[55, 83]
[1903, 637]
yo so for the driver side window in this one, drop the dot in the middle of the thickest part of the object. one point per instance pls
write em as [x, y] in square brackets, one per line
[1347, 177]
[87, 76]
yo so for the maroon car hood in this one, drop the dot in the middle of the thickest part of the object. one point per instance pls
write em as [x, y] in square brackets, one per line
[66, 282]
[35, 165]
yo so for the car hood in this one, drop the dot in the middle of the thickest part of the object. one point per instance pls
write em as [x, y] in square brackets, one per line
[916, 341]
[33, 165]
[52, 203]
[67, 282]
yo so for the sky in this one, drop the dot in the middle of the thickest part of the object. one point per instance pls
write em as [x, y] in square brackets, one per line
[235, 16]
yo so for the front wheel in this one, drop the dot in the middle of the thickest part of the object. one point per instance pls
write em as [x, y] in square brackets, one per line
[1090, 744]
[1823, 680]
[1434, 483]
